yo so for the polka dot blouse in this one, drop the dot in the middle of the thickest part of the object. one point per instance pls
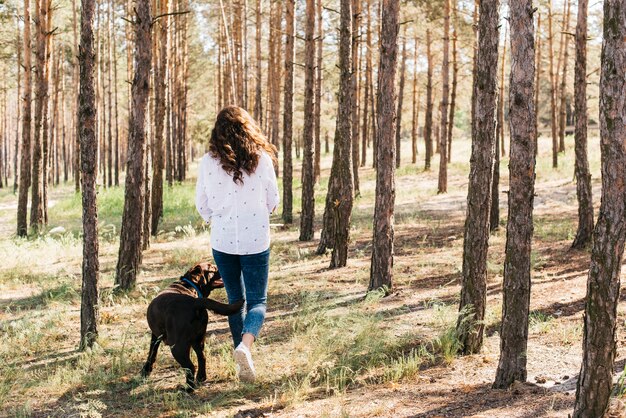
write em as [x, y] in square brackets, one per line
[238, 213]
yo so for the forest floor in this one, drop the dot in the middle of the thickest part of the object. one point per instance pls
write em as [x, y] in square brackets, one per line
[326, 350]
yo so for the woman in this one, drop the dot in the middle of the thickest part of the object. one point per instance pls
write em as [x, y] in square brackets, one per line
[236, 192]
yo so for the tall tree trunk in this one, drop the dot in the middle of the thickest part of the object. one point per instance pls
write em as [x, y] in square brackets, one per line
[603, 284]
[583, 176]
[64, 149]
[500, 117]
[288, 112]
[494, 217]
[381, 274]
[400, 102]
[147, 207]
[318, 90]
[41, 97]
[374, 104]
[18, 48]
[159, 119]
[89, 162]
[230, 56]
[369, 93]
[519, 229]
[308, 198]
[445, 75]
[129, 257]
[89, 169]
[455, 74]
[355, 88]
[116, 122]
[45, 128]
[470, 326]
[537, 79]
[109, 96]
[75, 78]
[340, 182]
[274, 91]
[494, 212]
[415, 107]
[25, 161]
[258, 98]
[428, 123]
[563, 90]
[555, 144]
[54, 129]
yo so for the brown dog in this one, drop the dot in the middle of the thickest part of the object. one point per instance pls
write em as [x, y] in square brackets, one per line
[178, 317]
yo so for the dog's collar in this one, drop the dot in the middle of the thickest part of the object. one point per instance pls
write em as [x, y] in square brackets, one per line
[196, 288]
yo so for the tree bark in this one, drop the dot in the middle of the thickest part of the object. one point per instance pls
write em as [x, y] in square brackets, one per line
[159, 119]
[116, 122]
[455, 74]
[89, 168]
[381, 275]
[318, 91]
[470, 326]
[374, 104]
[258, 97]
[428, 123]
[369, 92]
[519, 229]
[442, 186]
[537, 79]
[109, 91]
[129, 257]
[555, 144]
[339, 203]
[75, 77]
[494, 217]
[415, 110]
[18, 47]
[583, 175]
[562, 104]
[288, 112]
[494, 212]
[41, 97]
[308, 198]
[25, 160]
[603, 284]
[400, 102]
[500, 117]
[355, 88]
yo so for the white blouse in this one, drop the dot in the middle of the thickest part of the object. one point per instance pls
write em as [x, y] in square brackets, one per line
[238, 213]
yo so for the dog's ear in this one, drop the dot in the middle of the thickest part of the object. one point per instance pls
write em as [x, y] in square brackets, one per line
[194, 274]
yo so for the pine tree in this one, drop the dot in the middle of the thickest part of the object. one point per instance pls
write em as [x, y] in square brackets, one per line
[288, 112]
[470, 326]
[25, 162]
[131, 234]
[89, 170]
[595, 383]
[308, 198]
[583, 176]
[519, 229]
[381, 274]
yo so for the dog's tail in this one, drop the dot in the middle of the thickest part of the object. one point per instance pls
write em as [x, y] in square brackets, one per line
[219, 308]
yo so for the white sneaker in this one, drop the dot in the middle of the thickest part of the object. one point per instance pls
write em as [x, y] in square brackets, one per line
[245, 366]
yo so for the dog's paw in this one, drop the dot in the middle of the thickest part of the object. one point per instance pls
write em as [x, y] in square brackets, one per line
[201, 377]
[145, 371]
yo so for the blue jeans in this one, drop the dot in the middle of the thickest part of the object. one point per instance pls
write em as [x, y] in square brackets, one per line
[245, 277]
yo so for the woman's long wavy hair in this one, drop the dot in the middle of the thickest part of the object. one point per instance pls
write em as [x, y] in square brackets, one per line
[236, 141]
